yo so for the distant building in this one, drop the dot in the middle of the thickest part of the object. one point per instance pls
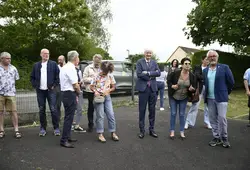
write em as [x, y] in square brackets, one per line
[182, 52]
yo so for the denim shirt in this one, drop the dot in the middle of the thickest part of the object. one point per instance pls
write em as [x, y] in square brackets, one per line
[8, 80]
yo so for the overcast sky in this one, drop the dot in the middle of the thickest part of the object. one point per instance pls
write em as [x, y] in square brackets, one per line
[154, 24]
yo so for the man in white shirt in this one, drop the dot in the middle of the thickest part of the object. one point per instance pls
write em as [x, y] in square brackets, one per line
[45, 78]
[70, 90]
[61, 63]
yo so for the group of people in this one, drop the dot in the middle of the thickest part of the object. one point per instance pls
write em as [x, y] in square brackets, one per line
[211, 80]
[64, 83]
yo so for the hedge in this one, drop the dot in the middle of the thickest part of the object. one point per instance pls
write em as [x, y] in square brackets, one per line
[237, 63]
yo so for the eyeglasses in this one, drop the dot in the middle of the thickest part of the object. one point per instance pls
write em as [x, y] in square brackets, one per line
[187, 63]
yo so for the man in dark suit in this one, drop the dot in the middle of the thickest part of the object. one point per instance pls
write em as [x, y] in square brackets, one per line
[219, 82]
[147, 70]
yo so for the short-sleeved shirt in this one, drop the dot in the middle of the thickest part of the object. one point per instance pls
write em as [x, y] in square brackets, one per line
[8, 80]
[247, 76]
[100, 81]
[68, 77]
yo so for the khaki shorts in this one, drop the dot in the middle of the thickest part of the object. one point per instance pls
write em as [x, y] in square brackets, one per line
[8, 103]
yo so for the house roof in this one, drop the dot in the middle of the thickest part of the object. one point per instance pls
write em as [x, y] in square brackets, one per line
[185, 49]
[189, 50]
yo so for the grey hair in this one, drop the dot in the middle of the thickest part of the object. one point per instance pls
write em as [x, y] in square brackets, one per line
[4, 54]
[97, 56]
[213, 51]
[72, 55]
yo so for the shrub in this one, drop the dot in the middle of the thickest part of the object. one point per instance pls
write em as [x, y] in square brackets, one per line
[24, 68]
[237, 63]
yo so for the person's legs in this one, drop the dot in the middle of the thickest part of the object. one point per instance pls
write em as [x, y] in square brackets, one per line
[41, 99]
[162, 88]
[52, 105]
[108, 109]
[191, 115]
[151, 108]
[90, 111]
[99, 108]
[206, 117]
[2, 105]
[143, 100]
[58, 101]
[69, 103]
[173, 112]
[182, 111]
[79, 109]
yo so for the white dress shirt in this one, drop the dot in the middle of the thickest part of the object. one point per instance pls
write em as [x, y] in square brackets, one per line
[68, 77]
[43, 80]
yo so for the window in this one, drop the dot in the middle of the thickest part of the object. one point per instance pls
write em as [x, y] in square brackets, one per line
[118, 67]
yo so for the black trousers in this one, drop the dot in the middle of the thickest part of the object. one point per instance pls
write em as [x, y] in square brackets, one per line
[69, 103]
[90, 109]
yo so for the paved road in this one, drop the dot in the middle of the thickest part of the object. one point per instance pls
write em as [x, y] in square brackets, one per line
[130, 153]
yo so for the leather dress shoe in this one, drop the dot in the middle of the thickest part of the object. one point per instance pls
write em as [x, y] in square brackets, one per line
[72, 140]
[67, 145]
[153, 134]
[141, 135]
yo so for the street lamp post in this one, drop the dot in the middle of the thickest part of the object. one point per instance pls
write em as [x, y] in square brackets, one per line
[133, 75]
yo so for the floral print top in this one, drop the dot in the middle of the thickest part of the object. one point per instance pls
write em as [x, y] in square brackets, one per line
[100, 81]
[8, 80]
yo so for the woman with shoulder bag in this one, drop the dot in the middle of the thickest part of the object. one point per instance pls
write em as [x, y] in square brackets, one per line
[102, 85]
[181, 86]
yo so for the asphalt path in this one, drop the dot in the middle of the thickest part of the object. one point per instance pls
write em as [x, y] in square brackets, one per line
[130, 153]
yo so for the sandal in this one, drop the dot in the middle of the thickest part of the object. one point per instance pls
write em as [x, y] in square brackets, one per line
[101, 138]
[18, 135]
[2, 134]
[114, 137]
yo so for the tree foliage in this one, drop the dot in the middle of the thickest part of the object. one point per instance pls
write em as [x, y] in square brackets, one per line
[59, 25]
[225, 21]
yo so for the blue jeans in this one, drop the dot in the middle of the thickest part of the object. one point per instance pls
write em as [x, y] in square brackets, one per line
[50, 95]
[161, 88]
[69, 103]
[217, 114]
[105, 108]
[182, 109]
[79, 109]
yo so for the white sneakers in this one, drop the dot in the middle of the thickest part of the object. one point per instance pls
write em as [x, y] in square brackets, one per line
[161, 109]
[186, 126]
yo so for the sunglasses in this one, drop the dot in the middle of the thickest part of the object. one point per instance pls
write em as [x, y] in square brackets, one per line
[187, 63]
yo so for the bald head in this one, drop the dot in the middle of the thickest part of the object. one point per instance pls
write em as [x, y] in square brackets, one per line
[61, 60]
[44, 54]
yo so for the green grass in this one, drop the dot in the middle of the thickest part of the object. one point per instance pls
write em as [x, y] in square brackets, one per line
[237, 104]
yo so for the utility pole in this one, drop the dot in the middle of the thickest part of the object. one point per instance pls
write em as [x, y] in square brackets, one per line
[133, 75]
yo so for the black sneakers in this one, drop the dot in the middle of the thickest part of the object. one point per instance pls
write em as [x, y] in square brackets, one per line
[217, 141]
[225, 144]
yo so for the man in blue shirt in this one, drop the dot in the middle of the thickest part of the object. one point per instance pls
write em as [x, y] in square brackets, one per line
[219, 82]
[246, 78]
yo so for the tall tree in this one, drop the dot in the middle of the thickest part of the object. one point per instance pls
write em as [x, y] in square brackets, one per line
[101, 13]
[224, 21]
